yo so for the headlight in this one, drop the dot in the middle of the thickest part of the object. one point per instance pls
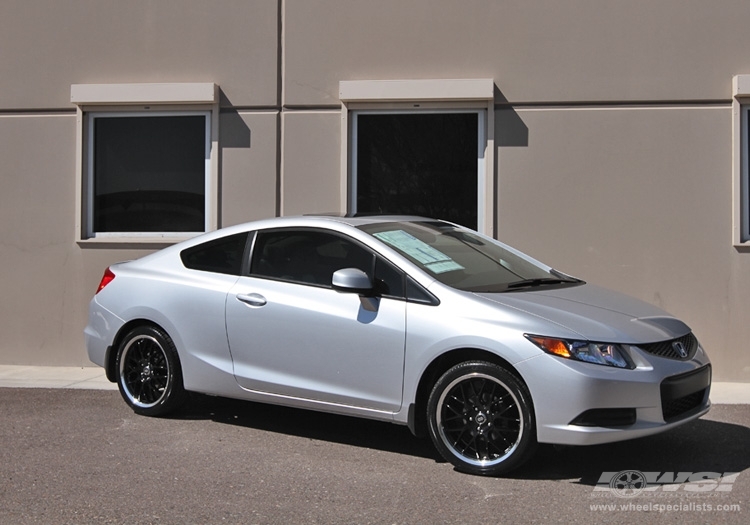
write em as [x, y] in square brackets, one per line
[598, 353]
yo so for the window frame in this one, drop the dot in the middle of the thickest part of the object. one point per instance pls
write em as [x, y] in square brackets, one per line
[123, 100]
[431, 109]
[742, 184]
[252, 254]
[460, 95]
[207, 183]
[255, 251]
[741, 162]
[190, 251]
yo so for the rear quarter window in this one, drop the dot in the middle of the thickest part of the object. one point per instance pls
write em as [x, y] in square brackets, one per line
[224, 255]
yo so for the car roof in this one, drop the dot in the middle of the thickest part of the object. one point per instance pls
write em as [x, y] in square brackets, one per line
[311, 220]
[319, 220]
[335, 222]
[370, 219]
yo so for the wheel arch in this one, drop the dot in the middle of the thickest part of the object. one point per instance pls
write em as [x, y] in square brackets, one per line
[417, 411]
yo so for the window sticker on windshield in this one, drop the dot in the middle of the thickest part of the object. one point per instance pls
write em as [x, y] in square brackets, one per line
[434, 260]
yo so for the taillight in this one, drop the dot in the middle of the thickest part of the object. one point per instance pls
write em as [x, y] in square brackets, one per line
[106, 279]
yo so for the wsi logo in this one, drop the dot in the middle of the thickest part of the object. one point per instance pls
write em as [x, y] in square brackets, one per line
[631, 483]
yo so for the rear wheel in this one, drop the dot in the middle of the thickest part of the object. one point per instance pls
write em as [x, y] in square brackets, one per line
[481, 419]
[148, 372]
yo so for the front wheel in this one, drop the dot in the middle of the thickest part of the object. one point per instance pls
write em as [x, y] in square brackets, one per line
[148, 372]
[481, 418]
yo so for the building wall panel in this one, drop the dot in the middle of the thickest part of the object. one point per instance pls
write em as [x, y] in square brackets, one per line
[537, 51]
[311, 168]
[46, 279]
[249, 173]
[55, 44]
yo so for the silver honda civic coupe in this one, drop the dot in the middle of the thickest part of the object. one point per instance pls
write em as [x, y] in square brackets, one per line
[404, 319]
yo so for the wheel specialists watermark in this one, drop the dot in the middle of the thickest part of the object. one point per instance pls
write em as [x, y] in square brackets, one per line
[628, 484]
[632, 483]
[689, 507]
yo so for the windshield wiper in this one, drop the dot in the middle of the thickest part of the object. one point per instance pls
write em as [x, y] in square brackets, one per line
[537, 282]
[540, 281]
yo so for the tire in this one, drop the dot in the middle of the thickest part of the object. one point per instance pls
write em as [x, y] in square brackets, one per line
[148, 372]
[481, 419]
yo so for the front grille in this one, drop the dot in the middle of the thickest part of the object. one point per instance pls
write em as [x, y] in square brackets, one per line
[672, 410]
[668, 349]
[684, 394]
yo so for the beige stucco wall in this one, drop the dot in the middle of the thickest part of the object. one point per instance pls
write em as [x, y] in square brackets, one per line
[536, 50]
[312, 152]
[613, 160]
[49, 45]
[249, 173]
[46, 279]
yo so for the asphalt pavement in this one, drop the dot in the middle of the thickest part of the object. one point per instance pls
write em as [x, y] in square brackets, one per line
[82, 456]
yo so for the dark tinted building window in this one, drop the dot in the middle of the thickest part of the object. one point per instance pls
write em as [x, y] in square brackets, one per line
[149, 173]
[418, 164]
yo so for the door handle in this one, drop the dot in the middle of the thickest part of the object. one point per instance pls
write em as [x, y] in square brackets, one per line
[253, 299]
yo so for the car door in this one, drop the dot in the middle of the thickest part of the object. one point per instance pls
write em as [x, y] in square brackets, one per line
[291, 334]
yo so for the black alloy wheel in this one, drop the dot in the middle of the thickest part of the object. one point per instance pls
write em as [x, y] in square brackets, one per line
[148, 372]
[481, 419]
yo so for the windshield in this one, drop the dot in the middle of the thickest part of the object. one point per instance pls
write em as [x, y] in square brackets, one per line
[463, 259]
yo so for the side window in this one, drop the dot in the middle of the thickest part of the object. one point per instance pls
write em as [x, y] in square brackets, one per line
[389, 281]
[416, 294]
[311, 257]
[306, 256]
[223, 255]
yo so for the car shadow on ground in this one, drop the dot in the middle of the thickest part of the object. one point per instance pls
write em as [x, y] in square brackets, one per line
[699, 446]
[308, 424]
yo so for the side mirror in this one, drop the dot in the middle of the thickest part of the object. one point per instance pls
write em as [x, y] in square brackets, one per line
[351, 280]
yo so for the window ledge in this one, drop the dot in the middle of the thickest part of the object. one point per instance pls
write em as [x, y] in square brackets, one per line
[426, 90]
[741, 86]
[182, 93]
[135, 241]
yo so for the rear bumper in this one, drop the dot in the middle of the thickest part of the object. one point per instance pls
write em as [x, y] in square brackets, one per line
[99, 334]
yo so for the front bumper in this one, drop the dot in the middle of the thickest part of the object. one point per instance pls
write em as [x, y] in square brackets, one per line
[585, 404]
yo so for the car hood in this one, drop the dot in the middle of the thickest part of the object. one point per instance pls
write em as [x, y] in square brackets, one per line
[595, 314]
